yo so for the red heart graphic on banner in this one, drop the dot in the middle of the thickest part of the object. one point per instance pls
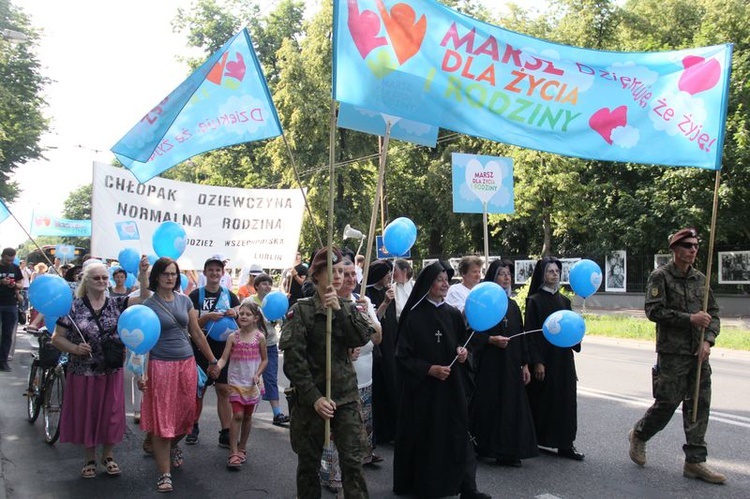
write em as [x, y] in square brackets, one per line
[604, 121]
[405, 31]
[699, 75]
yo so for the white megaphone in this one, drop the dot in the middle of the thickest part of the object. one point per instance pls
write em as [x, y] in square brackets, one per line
[350, 233]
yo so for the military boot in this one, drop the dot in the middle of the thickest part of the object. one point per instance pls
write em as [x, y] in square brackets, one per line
[637, 449]
[702, 472]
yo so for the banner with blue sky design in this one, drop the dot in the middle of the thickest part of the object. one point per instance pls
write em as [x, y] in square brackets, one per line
[364, 120]
[224, 102]
[425, 62]
[479, 179]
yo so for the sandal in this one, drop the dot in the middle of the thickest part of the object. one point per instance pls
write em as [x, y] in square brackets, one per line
[164, 484]
[177, 458]
[89, 470]
[243, 455]
[113, 469]
[235, 461]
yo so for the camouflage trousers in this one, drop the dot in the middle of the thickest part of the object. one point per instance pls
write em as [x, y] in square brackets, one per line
[675, 386]
[307, 433]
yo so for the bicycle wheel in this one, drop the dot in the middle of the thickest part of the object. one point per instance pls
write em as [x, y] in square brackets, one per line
[53, 397]
[34, 391]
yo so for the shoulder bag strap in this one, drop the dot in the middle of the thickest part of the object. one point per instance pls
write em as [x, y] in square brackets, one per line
[87, 302]
[158, 301]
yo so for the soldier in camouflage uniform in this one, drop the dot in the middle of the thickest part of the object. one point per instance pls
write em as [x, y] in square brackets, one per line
[674, 301]
[303, 343]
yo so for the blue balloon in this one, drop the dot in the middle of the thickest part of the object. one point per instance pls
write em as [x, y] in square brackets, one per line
[129, 260]
[152, 259]
[17, 261]
[51, 295]
[221, 329]
[585, 278]
[130, 280]
[184, 281]
[399, 236]
[275, 305]
[169, 240]
[139, 328]
[564, 328]
[49, 322]
[485, 306]
[412, 226]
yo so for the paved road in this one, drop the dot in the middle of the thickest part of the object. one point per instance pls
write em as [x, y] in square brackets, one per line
[614, 392]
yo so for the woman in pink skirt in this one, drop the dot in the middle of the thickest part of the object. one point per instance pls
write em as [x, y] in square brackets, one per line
[93, 411]
[170, 385]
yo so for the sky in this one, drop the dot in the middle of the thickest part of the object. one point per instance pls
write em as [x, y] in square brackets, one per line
[110, 64]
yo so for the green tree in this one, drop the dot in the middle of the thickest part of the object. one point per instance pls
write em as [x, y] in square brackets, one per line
[78, 207]
[21, 99]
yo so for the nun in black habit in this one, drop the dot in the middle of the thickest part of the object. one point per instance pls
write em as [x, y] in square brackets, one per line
[384, 386]
[433, 455]
[553, 388]
[501, 421]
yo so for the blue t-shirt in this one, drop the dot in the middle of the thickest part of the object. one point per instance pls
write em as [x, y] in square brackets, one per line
[173, 342]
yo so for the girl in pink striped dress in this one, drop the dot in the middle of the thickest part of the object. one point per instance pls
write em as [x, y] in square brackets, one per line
[246, 353]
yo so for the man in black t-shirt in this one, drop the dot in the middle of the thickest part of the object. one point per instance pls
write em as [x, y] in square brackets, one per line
[214, 302]
[297, 276]
[11, 281]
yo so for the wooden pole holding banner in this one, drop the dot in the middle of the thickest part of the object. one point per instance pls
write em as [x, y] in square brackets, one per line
[486, 239]
[375, 203]
[304, 195]
[706, 290]
[329, 310]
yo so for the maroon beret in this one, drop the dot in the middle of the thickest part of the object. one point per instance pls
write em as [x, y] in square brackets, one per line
[682, 234]
[320, 260]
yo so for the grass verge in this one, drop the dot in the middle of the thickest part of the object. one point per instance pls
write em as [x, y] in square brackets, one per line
[616, 326]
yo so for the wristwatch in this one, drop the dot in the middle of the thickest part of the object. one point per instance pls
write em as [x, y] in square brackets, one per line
[214, 362]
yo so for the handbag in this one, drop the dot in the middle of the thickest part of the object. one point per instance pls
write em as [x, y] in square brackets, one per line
[114, 353]
[112, 348]
[202, 376]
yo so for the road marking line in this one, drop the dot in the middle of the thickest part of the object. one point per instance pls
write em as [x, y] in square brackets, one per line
[719, 417]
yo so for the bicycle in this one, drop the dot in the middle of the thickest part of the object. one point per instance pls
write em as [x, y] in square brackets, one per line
[46, 385]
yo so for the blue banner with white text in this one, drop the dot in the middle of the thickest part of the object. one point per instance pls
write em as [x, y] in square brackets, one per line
[46, 225]
[422, 61]
[224, 102]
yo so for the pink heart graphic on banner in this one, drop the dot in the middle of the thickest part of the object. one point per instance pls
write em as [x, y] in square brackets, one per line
[699, 75]
[236, 69]
[604, 121]
[364, 28]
